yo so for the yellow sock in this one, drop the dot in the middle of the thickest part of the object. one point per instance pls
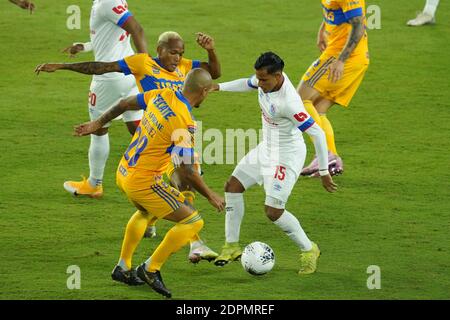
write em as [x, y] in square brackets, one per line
[313, 112]
[190, 197]
[133, 234]
[177, 237]
[326, 126]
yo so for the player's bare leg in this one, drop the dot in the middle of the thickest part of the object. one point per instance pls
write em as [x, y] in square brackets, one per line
[234, 213]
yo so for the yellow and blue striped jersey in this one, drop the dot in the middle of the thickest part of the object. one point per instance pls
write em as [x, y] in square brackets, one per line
[166, 132]
[337, 13]
[150, 74]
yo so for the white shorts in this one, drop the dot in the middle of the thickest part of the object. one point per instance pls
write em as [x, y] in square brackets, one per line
[104, 94]
[278, 175]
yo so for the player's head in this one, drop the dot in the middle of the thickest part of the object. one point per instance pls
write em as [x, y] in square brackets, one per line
[269, 71]
[170, 50]
[197, 85]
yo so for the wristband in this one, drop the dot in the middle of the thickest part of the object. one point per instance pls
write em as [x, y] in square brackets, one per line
[323, 172]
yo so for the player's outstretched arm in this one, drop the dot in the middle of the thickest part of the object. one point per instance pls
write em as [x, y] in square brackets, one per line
[337, 67]
[213, 64]
[24, 4]
[130, 103]
[137, 34]
[83, 67]
[191, 176]
[239, 85]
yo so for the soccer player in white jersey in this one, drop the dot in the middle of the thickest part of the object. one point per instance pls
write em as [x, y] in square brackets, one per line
[427, 16]
[276, 162]
[111, 25]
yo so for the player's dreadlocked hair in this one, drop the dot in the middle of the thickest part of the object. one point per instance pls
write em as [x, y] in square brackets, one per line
[271, 61]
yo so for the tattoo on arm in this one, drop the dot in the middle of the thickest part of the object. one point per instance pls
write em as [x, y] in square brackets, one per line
[129, 103]
[111, 114]
[356, 35]
[93, 67]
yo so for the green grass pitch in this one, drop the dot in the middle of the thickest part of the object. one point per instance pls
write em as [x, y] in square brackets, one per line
[392, 209]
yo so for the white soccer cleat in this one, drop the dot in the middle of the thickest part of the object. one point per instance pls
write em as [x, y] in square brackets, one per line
[421, 19]
[202, 252]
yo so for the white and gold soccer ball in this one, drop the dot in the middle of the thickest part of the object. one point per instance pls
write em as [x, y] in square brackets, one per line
[258, 258]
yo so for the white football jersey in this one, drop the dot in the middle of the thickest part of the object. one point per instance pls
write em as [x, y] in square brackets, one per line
[284, 117]
[109, 41]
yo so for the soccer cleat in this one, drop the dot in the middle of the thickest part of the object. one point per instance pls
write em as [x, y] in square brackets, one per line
[337, 168]
[128, 277]
[230, 252]
[421, 19]
[313, 169]
[308, 260]
[154, 280]
[83, 188]
[150, 232]
[202, 252]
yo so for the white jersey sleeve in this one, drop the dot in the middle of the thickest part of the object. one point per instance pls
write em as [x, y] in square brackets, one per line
[295, 111]
[115, 11]
[240, 85]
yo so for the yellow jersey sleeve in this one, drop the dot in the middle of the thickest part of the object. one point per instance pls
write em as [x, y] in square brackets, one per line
[143, 99]
[352, 8]
[134, 64]
[187, 65]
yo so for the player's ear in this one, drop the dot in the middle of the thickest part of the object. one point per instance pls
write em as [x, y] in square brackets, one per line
[159, 50]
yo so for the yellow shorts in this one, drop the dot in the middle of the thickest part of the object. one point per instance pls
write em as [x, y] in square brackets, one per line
[343, 90]
[149, 193]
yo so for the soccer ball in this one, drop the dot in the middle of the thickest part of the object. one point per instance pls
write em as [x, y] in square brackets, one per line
[258, 258]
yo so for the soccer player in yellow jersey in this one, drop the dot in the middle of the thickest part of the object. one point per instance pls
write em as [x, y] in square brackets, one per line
[335, 77]
[165, 134]
[167, 70]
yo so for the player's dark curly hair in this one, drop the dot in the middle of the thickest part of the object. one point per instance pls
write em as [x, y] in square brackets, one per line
[271, 61]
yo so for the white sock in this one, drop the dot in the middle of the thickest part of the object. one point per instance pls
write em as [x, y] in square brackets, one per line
[291, 226]
[431, 7]
[98, 154]
[234, 207]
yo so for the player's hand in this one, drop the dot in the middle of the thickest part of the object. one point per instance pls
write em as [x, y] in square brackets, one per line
[47, 67]
[73, 50]
[328, 183]
[205, 41]
[214, 87]
[25, 4]
[336, 71]
[86, 128]
[217, 201]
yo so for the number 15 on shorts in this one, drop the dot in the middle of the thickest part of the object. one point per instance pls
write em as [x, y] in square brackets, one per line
[280, 173]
